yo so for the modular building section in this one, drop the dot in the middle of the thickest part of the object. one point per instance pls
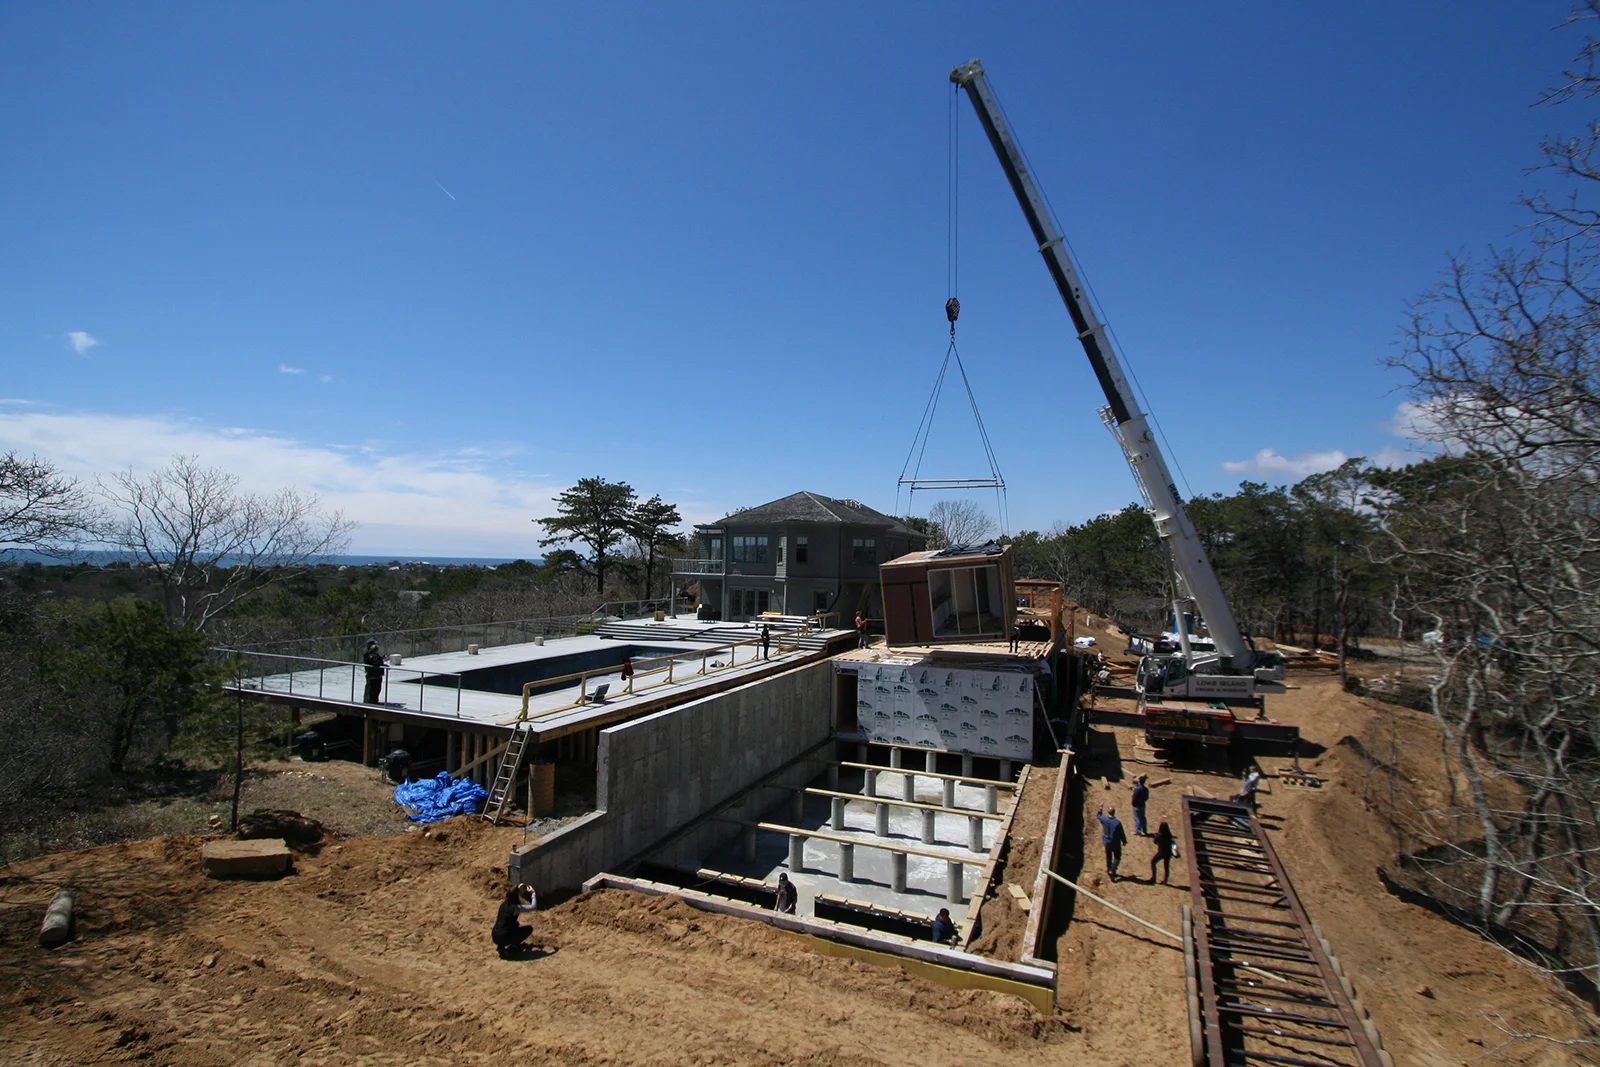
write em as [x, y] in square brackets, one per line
[987, 712]
[949, 595]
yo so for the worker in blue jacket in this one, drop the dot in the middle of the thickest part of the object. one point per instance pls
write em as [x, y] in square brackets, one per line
[1113, 837]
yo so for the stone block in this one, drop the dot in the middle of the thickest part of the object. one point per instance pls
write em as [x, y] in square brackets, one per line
[259, 858]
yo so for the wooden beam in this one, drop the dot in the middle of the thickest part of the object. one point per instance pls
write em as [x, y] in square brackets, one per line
[480, 760]
[970, 813]
[968, 860]
[931, 774]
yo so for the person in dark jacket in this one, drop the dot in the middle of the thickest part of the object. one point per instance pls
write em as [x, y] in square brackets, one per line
[374, 661]
[787, 896]
[766, 641]
[1141, 797]
[1113, 837]
[508, 934]
[944, 927]
[1165, 847]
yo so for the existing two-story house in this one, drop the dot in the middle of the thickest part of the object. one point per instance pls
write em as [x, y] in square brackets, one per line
[804, 554]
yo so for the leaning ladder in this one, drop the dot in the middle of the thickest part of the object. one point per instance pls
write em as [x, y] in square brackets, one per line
[499, 798]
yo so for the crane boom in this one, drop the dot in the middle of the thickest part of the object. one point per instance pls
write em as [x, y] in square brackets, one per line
[1128, 423]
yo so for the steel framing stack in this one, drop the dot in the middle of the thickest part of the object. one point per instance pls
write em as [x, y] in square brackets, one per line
[1264, 986]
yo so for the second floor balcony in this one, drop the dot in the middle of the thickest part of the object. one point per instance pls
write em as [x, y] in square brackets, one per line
[701, 567]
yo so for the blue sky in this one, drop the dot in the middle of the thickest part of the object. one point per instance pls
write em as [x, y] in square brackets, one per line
[438, 264]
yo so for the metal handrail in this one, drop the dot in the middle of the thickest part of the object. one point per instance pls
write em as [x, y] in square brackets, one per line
[430, 637]
[645, 667]
[697, 566]
[322, 667]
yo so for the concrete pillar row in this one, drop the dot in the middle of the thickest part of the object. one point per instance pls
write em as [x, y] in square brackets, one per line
[930, 762]
[883, 820]
[750, 843]
[838, 813]
[847, 863]
[927, 827]
[870, 787]
[966, 767]
[975, 834]
[955, 890]
[833, 776]
[1005, 770]
[897, 871]
[799, 807]
[861, 752]
[910, 785]
[991, 799]
[895, 758]
[949, 792]
[797, 853]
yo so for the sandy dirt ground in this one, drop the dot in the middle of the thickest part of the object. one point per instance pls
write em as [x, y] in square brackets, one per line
[376, 951]
[1435, 991]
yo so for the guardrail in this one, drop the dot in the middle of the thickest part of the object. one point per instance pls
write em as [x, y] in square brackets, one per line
[270, 674]
[454, 637]
[697, 566]
[782, 641]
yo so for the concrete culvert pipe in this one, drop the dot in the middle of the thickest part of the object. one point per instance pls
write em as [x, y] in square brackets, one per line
[57, 928]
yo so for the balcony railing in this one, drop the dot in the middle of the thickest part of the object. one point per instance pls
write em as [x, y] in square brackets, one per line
[697, 566]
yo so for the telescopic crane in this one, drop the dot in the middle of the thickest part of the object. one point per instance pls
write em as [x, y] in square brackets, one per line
[1232, 671]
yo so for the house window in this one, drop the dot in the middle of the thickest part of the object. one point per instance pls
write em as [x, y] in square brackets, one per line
[714, 548]
[819, 603]
[783, 549]
[864, 551]
[749, 549]
[802, 549]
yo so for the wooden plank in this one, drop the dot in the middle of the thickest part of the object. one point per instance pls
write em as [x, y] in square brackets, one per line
[969, 922]
[968, 860]
[972, 813]
[930, 774]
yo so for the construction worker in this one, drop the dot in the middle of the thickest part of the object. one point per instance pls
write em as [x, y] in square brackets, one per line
[1247, 788]
[374, 661]
[508, 934]
[787, 896]
[766, 641]
[861, 630]
[1113, 837]
[1141, 797]
[944, 927]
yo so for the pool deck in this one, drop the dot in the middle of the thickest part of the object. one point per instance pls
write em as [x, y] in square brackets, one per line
[427, 690]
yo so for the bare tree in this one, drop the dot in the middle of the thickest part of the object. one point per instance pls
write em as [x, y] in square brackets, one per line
[1497, 541]
[210, 543]
[960, 522]
[41, 508]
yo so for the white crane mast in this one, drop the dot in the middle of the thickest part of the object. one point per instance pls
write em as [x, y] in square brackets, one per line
[1128, 424]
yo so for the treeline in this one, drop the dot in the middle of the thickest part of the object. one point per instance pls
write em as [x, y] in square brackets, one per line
[1300, 564]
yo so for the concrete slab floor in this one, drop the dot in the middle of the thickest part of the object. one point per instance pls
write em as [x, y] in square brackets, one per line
[927, 878]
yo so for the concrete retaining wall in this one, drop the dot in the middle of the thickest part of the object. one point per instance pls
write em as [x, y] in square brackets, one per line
[657, 773]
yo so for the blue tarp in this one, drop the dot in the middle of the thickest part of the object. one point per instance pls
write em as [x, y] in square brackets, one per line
[440, 797]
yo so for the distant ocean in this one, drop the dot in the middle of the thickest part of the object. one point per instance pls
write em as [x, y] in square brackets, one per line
[101, 558]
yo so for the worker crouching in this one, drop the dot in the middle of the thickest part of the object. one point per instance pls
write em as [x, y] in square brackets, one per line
[509, 935]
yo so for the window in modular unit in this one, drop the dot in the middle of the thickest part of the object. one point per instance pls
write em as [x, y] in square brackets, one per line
[965, 601]
[802, 549]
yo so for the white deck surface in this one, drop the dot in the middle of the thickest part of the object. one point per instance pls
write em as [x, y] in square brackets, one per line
[324, 682]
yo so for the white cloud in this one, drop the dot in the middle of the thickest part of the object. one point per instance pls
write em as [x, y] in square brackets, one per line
[80, 341]
[447, 504]
[324, 378]
[1268, 464]
[284, 368]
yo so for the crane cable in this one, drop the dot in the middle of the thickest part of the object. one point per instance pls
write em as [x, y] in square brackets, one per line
[952, 310]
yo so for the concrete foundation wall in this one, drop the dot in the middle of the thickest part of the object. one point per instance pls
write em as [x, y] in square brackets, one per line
[658, 773]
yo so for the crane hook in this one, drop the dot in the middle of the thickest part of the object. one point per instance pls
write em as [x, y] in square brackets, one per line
[952, 309]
